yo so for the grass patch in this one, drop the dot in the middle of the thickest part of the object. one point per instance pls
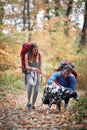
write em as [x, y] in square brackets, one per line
[80, 109]
[10, 82]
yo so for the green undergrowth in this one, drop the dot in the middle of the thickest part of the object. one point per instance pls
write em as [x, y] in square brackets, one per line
[80, 109]
[10, 82]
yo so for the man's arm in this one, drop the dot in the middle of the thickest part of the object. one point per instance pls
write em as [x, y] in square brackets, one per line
[53, 78]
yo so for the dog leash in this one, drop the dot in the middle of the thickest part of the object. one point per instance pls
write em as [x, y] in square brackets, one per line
[50, 79]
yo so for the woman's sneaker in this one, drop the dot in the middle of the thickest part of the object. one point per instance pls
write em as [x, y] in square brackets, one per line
[29, 106]
[33, 107]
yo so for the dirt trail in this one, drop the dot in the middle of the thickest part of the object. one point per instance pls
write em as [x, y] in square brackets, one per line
[15, 116]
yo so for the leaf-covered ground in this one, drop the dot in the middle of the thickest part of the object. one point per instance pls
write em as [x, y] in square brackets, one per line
[14, 115]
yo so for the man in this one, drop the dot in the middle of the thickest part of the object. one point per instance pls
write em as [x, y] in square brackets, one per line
[66, 79]
[65, 62]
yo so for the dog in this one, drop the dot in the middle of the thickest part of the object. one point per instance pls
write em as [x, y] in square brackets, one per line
[54, 94]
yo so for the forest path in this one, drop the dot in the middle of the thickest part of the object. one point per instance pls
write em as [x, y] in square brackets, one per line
[15, 115]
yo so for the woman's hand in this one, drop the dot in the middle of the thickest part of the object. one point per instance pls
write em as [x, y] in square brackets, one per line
[35, 69]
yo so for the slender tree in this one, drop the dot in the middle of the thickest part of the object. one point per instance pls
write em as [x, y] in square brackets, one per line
[83, 40]
[24, 15]
[47, 15]
[1, 12]
[56, 7]
[28, 14]
[69, 8]
[68, 11]
[1, 15]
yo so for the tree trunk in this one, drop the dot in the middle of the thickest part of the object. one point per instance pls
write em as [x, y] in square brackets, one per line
[47, 11]
[28, 14]
[84, 30]
[69, 8]
[1, 16]
[57, 5]
[1, 12]
[24, 15]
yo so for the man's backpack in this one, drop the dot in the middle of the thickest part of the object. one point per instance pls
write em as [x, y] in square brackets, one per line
[65, 62]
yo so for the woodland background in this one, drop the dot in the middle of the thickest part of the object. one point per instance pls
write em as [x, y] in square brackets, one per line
[59, 27]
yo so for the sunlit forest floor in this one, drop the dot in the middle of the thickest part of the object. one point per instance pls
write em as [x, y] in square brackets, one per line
[14, 115]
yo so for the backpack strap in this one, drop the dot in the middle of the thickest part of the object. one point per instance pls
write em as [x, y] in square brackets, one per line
[39, 56]
[68, 81]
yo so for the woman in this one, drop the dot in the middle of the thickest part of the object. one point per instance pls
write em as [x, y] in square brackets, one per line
[33, 67]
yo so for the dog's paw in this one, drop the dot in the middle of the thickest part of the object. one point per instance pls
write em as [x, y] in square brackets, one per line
[66, 107]
[47, 112]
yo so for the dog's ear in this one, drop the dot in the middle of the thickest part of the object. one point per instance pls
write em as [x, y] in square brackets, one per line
[75, 96]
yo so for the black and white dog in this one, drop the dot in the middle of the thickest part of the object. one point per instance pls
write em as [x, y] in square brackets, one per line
[54, 94]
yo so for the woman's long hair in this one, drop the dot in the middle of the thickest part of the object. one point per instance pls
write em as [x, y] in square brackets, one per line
[33, 45]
